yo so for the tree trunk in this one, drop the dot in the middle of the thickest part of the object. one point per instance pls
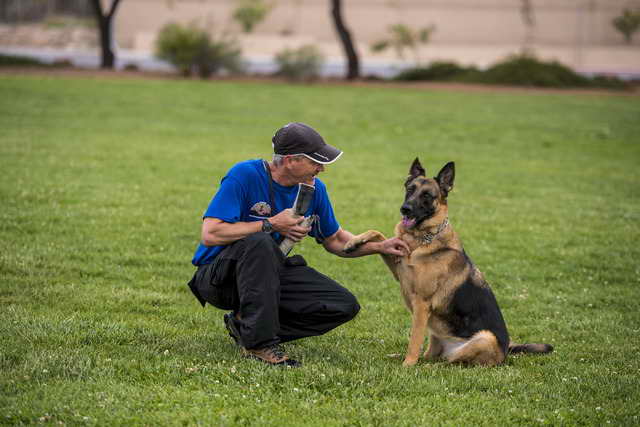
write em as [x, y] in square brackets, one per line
[106, 36]
[353, 71]
[108, 58]
[528, 18]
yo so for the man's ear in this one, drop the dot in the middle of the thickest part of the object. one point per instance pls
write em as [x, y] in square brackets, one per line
[415, 171]
[446, 177]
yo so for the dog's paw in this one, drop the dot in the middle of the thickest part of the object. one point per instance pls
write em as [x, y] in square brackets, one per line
[408, 362]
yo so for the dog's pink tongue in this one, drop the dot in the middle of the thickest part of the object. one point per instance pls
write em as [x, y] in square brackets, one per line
[408, 222]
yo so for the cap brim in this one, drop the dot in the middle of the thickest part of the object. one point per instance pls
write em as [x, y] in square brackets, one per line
[325, 155]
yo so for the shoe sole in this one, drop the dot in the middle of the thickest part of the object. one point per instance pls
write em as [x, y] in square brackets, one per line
[233, 333]
[289, 363]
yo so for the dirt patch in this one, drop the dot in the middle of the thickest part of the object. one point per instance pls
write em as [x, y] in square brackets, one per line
[437, 86]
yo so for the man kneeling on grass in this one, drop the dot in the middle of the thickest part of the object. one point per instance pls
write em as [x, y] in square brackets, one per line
[275, 299]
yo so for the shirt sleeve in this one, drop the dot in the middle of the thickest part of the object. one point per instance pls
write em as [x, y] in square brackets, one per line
[228, 201]
[326, 224]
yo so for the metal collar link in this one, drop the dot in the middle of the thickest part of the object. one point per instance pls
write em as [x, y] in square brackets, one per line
[427, 238]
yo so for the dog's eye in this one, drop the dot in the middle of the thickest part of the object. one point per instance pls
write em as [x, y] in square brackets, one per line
[411, 189]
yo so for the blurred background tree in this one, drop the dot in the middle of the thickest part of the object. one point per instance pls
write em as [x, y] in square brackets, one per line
[250, 13]
[353, 62]
[529, 20]
[627, 24]
[402, 38]
[104, 20]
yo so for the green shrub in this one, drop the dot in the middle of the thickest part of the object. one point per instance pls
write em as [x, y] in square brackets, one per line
[610, 82]
[303, 63]
[131, 67]
[25, 61]
[441, 71]
[191, 49]
[525, 70]
[219, 55]
[179, 46]
[22, 61]
[517, 70]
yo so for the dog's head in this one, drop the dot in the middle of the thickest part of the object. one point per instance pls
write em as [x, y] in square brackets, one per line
[425, 197]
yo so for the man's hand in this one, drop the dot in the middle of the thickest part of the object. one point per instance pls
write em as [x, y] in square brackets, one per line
[394, 246]
[289, 226]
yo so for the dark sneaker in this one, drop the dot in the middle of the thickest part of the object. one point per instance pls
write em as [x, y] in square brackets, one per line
[272, 355]
[231, 328]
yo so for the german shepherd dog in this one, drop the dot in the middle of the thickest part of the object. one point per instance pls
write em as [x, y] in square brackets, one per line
[445, 292]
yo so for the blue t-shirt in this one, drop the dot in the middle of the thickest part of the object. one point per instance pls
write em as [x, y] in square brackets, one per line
[243, 196]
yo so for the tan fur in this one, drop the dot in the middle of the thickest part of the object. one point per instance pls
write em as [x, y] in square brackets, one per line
[481, 349]
[428, 277]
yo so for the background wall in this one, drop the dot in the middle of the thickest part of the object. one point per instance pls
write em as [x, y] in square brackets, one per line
[578, 33]
[458, 21]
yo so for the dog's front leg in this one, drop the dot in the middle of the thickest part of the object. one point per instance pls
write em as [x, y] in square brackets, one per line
[372, 236]
[361, 239]
[420, 316]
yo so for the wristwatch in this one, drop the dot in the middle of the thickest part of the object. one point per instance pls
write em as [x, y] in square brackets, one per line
[267, 227]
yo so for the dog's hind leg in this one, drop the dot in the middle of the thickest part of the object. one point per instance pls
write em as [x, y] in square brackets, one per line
[481, 349]
[420, 316]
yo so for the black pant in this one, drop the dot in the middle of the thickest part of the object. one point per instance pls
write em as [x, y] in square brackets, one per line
[277, 302]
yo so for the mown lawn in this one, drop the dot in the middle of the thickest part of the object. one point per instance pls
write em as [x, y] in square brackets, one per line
[103, 185]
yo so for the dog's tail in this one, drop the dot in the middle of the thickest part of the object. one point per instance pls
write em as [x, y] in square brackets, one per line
[530, 348]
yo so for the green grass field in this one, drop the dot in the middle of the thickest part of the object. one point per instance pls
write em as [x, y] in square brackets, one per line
[104, 183]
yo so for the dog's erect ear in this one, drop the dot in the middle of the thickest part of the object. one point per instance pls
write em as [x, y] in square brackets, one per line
[446, 176]
[415, 171]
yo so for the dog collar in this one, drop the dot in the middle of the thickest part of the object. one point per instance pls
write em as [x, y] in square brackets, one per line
[427, 238]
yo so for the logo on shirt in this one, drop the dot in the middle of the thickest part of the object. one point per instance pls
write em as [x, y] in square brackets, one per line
[261, 209]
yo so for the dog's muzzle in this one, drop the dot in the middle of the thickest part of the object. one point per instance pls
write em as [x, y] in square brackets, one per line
[406, 211]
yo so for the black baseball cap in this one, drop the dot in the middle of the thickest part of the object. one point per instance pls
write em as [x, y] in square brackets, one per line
[298, 138]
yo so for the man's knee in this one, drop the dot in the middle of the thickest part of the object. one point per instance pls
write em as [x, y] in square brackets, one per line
[354, 309]
[350, 307]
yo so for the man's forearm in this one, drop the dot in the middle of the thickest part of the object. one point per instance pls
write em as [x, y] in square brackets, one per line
[223, 233]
